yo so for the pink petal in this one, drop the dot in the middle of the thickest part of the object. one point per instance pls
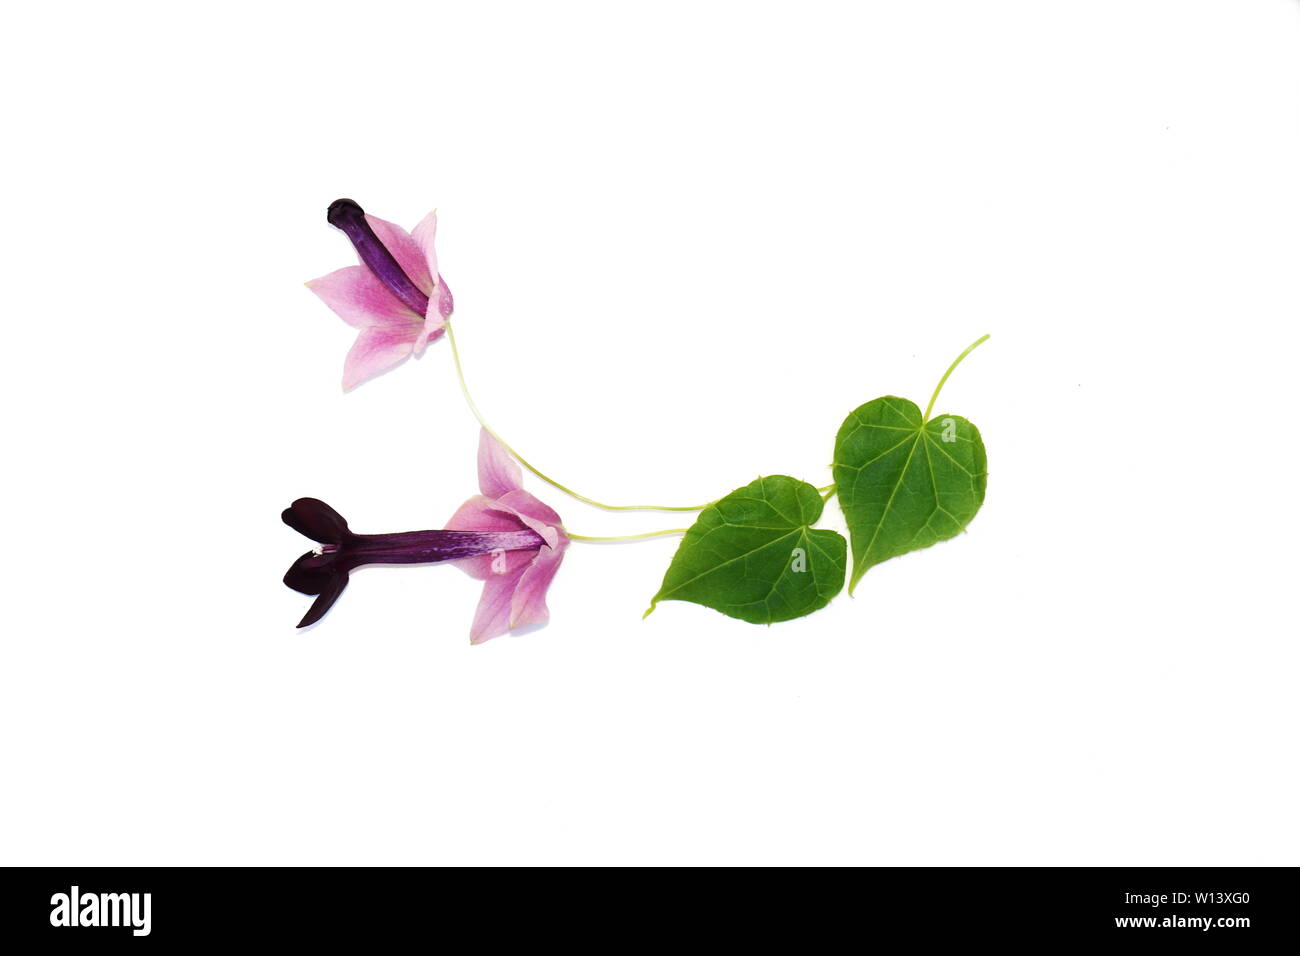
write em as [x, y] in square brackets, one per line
[480, 514]
[376, 350]
[431, 331]
[534, 514]
[485, 567]
[445, 303]
[530, 507]
[361, 300]
[406, 251]
[497, 472]
[492, 619]
[528, 605]
[440, 302]
[423, 235]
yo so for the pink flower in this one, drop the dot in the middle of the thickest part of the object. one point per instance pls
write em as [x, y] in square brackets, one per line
[396, 298]
[514, 581]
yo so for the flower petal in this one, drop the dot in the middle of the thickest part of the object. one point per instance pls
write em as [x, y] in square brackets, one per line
[377, 350]
[535, 515]
[480, 514]
[440, 302]
[492, 619]
[361, 300]
[314, 519]
[422, 236]
[498, 474]
[407, 252]
[431, 331]
[325, 600]
[528, 605]
[307, 578]
[530, 507]
[445, 301]
[495, 564]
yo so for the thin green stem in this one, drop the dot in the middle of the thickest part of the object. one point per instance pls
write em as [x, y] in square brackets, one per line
[957, 361]
[827, 493]
[625, 537]
[469, 400]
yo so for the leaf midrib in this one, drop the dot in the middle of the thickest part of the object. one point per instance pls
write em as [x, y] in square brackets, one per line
[804, 531]
[919, 433]
[902, 475]
[728, 524]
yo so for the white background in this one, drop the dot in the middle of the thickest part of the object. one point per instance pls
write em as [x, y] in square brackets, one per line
[685, 240]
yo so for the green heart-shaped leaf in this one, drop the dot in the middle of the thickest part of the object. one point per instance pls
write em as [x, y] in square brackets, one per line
[754, 555]
[905, 483]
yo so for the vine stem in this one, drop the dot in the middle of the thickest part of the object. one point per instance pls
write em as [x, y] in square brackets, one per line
[469, 400]
[625, 537]
[955, 362]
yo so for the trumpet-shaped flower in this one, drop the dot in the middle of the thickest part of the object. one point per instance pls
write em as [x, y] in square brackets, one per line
[324, 572]
[395, 298]
[514, 582]
[505, 537]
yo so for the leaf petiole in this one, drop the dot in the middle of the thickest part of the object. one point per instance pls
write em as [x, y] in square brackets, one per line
[957, 361]
[625, 537]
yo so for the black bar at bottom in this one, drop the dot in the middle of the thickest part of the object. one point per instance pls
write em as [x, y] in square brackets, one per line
[375, 907]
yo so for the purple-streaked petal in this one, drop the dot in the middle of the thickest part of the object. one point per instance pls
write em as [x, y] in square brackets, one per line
[406, 250]
[479, 514]
[377, 350]
[361, 300]
[492, 618]
[498, 474]
[528, 605]
[314, 519]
